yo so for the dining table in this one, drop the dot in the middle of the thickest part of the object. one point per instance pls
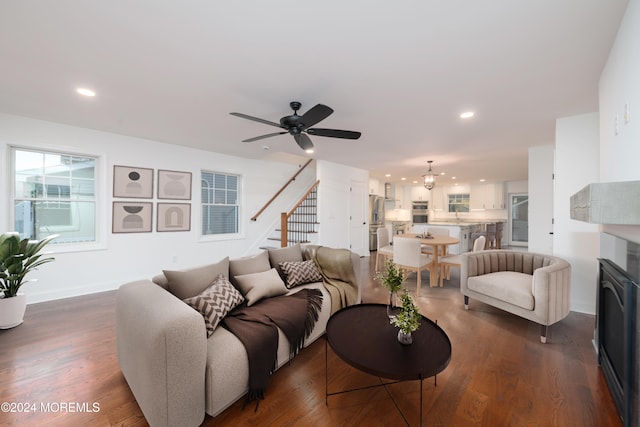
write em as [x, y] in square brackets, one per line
[439, 243]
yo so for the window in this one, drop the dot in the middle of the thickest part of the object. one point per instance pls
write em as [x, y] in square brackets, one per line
[458, 203]
[220, 203]
[54, 193]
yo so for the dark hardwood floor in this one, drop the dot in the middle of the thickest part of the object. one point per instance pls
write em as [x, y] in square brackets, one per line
[59, 368]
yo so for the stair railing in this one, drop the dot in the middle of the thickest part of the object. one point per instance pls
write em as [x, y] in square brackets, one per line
[293, 178]
[301, 228]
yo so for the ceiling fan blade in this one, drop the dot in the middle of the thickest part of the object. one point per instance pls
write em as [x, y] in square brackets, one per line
[256, 119]
[315, 115]
[335, 133]
[303, 141]
[256, 138]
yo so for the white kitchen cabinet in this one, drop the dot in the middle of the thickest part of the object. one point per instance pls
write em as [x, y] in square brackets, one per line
[438, 198]
[487, 196]
[419, 193]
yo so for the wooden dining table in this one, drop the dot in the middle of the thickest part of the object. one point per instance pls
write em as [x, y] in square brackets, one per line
[439, 244]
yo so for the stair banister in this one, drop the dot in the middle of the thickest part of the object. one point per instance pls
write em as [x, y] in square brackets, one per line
[293, 178]
[284, 217]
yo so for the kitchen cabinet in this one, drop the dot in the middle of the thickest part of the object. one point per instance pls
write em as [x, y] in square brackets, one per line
[487, 196]
[419, 193]
[438, 198]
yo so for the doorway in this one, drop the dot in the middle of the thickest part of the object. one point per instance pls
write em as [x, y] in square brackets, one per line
[518, 219]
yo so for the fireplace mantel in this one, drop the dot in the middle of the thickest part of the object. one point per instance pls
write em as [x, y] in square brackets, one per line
[608, 203]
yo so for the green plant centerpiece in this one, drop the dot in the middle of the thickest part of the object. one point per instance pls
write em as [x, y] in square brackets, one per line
[391, 278]
[407, 319]
[17, 259]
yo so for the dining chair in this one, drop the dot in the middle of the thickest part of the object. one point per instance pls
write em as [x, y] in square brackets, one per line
[407, 256]
[383, 247]
[436, 231]
[499, 231]
[448, 261]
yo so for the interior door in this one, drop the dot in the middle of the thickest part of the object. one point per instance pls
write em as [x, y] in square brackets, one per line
[358, 227]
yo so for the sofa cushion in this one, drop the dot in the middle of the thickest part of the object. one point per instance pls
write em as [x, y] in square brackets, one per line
[287, 254]
[508, 286]
[215, 302]
[264, 284]
[299, 273]
[247, 265]
[188, 283]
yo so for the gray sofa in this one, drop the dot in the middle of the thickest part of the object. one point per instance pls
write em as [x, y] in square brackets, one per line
[530, 285]
[175, 372]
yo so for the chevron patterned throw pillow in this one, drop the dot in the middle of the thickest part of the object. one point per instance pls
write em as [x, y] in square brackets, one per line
[300, 272]
[215, 302]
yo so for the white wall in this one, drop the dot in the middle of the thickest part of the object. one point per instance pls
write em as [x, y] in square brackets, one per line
[620, 85]
[126, 257]
[576, 160]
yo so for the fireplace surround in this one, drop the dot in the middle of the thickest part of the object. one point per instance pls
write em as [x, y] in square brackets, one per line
[617, 326]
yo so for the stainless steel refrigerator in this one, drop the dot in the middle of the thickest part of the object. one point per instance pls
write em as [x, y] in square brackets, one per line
[376, 219]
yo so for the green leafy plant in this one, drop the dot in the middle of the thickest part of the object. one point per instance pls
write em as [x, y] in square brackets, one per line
[17, 259]
[391, 278]
[408, 319]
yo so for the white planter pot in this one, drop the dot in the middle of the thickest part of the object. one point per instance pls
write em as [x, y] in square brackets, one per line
[12, 311]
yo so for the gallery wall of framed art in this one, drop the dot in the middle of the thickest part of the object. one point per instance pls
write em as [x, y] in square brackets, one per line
[136, 216]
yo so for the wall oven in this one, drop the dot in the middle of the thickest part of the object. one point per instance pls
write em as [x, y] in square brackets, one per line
[420, 212]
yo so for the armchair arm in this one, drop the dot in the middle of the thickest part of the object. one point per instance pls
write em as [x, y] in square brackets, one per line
[162, 348]
[551, 289]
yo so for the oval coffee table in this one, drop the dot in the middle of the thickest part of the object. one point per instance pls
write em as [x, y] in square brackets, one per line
[362, 336]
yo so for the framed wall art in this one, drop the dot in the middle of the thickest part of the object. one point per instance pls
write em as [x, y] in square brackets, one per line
[132, 217]
[174, 185]
[174, 217]
[132, 182]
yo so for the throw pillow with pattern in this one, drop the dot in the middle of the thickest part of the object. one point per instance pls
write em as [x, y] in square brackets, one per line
[215, 302]
[300, 272]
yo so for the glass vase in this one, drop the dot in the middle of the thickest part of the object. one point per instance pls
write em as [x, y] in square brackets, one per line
[392, 306]
[404, 338]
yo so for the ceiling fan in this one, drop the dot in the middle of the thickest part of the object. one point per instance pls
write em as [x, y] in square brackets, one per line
[300, 126]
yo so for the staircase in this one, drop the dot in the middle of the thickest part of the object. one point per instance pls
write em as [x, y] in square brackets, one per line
[297, 224]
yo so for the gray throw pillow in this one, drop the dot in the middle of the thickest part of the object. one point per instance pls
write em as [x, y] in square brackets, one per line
[264, 284]
[280, 255]
[299, 273]
[215, 302]
[251, 264]
[190, 282]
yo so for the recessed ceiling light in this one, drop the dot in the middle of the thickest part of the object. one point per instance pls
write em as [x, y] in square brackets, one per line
[309, 151]
[387, 175]
[453, 177]
[482, 180]
[403, 179]
[415, 182]
[467, 115]
[85, 92]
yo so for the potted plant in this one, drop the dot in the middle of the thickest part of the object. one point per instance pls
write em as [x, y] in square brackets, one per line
[407, 319]
[391, 278]
[17, 259]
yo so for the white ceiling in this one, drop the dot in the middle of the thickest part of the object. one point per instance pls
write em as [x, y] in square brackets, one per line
[400, 72]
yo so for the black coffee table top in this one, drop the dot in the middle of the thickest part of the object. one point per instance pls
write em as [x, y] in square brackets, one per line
[362, 336]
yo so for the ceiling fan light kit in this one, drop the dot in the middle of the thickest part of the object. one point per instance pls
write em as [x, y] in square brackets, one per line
[300, 127]
[429, 178]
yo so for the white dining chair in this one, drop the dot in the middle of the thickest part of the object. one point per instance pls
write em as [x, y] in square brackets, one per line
[384, 249]
[448, 261]
[407, 256]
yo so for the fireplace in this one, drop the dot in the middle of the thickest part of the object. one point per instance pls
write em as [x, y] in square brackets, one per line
[617, 333]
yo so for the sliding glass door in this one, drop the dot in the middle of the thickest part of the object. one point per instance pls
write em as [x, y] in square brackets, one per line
[519, 219]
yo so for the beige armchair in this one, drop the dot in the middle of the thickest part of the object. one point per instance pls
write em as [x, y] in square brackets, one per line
[530, 285]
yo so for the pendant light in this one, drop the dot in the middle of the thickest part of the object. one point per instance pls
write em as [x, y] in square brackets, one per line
[429, 178]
